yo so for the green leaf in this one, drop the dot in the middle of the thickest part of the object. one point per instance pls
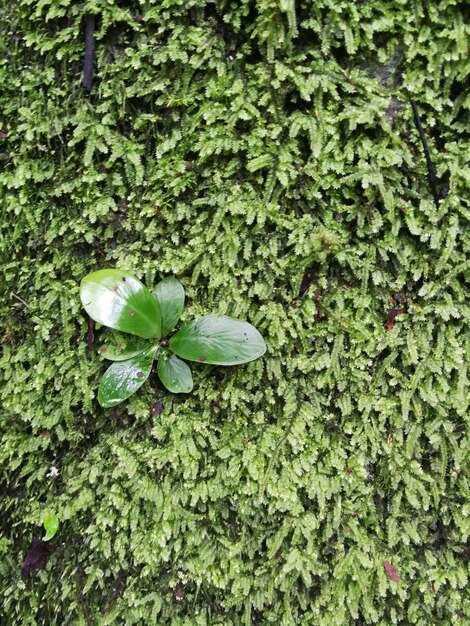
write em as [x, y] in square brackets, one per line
[51, 525]
[175, 374]
[169, 293]
[122, 349]
[219, 341]
[123, 378]
[119, 300]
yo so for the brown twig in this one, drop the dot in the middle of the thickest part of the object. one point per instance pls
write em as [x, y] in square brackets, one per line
[90, 21]
[90, 338]
[20, 299]
[431, 170]
[86, 611]
[117, 590]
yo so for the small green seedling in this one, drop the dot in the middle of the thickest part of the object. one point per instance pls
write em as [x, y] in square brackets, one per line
[51, 525]
[119, 300]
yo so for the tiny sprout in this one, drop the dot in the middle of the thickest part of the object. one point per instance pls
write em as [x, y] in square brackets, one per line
[51, 525]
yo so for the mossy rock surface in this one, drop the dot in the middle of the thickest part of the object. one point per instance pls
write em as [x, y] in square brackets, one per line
[264, 153]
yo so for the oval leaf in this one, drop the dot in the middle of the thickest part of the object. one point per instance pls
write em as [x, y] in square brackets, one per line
[123, 378]
[219, 341]
[51, 524]
[170, 297]
[119, 300]
[174, 374]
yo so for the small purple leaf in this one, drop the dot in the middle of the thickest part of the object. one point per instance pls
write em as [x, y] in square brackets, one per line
[156, 408]
[36, 558]
[391, 571]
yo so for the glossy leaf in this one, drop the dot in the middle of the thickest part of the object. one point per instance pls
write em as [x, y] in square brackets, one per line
[170, 297]
[174, 374]
[51, 525]
[119, 300]
[219, 341]
[123, 378]
[122, 349]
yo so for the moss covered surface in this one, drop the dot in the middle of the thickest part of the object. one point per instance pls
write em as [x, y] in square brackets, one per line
[264, 152]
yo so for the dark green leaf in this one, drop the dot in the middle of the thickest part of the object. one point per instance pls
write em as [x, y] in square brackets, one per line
[123, 378]
[122, 349]
[174, 374]
[219, 341]
[119, 300]
[170, 297]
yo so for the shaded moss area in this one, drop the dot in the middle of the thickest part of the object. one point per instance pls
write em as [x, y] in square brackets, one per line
[265, 153]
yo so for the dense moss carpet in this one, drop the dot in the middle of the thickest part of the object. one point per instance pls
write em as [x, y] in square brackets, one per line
[265, 153]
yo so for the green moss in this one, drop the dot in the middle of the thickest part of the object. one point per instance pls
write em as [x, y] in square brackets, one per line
[252, 149]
